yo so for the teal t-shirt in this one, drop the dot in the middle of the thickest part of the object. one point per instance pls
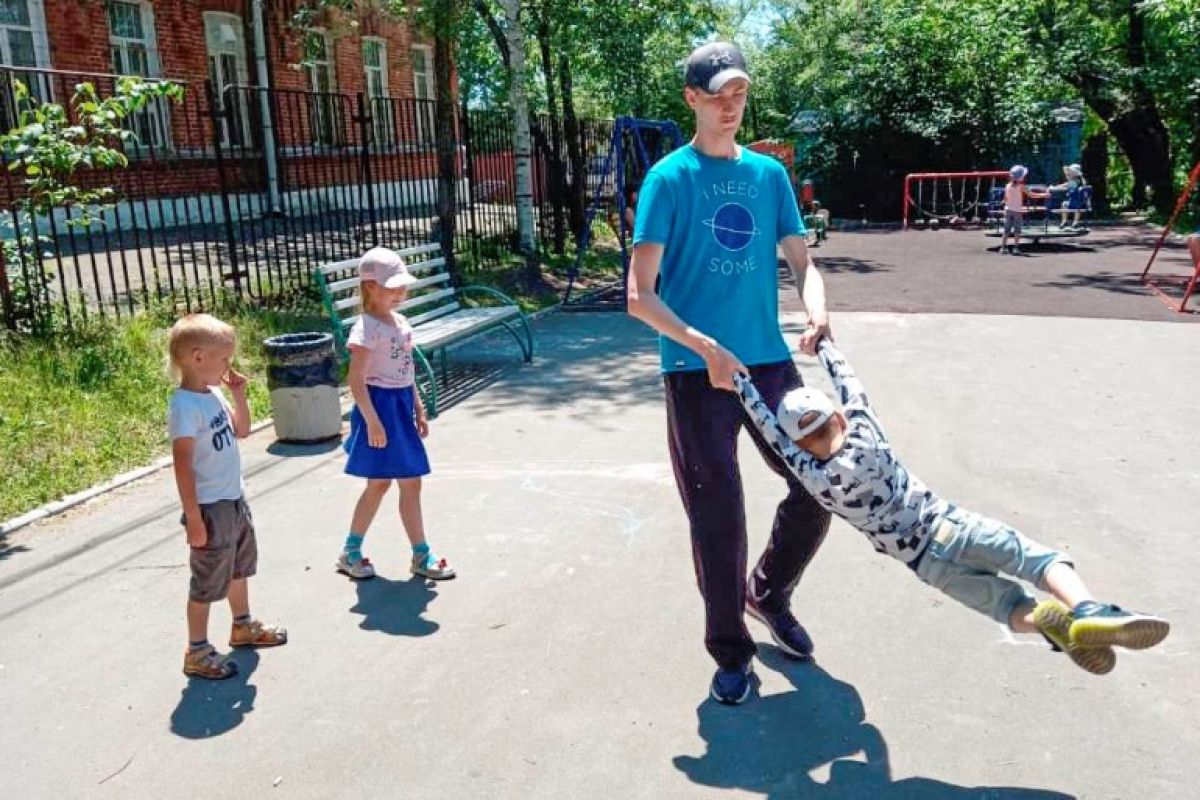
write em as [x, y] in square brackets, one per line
[719, 221]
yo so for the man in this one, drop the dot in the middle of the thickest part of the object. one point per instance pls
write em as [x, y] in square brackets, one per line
[709, 218]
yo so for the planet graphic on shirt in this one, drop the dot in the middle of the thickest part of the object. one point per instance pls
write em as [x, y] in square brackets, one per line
[733, 226]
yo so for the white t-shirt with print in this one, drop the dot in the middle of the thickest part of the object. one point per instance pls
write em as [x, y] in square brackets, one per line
[389, 350]
[208, 418]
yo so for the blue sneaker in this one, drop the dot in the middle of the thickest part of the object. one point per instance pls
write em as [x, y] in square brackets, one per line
[732, 686]
[788, 634]
[1099, 624]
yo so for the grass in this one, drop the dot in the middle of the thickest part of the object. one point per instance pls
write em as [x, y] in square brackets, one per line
[82, 406]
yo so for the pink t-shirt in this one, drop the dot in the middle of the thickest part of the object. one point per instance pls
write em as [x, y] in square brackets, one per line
[389, 350]
[1014, 197]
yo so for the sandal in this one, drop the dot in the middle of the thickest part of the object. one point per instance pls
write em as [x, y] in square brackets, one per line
[255, 634]
[208, 663]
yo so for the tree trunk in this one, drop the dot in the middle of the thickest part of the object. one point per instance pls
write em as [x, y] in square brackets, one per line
[445, 23]
[579, 175]
[1143, 137]
[553, 153]
[515, 37]
[1095, 166]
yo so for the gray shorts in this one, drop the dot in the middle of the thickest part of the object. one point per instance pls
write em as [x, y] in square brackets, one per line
[1012, 222]
[231, 551]
[967, 552]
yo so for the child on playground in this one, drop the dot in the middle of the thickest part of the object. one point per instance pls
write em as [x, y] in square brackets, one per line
[208, 473]
[1072, 185]
[388, 421]
[1015, 195]
[845, 461]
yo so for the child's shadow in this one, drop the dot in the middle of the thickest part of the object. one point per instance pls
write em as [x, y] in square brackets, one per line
[211, 708]
[770, 745]
[395, 607]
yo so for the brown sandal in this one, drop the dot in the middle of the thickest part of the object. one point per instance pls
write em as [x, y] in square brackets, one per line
[208, 663]
[255, 634]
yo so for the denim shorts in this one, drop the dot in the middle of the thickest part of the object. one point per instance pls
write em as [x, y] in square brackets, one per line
[968, 551]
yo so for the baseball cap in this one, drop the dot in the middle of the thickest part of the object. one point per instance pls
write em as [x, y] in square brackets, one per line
[1018, 173]
[385, 267]
[799, 402]
[712, 65]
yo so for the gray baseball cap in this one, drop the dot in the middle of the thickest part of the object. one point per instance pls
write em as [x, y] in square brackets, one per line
[798, 404]
[712, 65]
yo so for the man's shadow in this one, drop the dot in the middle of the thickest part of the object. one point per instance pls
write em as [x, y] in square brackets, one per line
[211, 708]
[395, 607]
[771, 744]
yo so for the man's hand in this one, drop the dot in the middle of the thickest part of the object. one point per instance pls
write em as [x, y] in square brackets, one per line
[722, 366]
[197, 534]
[818, 326]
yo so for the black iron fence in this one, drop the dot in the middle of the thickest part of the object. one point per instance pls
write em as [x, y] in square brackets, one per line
[246, 191]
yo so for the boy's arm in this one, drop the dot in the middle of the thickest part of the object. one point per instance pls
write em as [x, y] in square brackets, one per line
[236, 382]
[764, 419]
[851, 393]
[185, 480]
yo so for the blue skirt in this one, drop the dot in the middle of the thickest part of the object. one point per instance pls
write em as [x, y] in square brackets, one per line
[404, 455]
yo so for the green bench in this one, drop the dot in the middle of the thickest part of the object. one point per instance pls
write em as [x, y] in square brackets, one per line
[441, 314]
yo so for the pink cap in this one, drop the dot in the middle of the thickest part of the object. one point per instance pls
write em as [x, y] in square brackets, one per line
[385, 267]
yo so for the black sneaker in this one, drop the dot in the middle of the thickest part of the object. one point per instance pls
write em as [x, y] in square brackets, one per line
[1098, 624]
[732, 686]
[789, 635]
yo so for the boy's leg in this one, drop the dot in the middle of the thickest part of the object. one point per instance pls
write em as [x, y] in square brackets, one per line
[211, 568]
[197, 621]
[800, 522]
[702, 427]
[246, 631]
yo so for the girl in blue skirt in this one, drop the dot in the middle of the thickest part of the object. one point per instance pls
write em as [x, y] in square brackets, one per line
[388, 421]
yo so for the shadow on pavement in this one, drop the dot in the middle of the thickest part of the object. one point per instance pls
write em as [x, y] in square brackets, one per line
[210, 708]
[395, 607]
[772, 744]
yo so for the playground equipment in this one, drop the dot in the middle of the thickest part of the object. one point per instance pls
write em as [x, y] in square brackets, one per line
[1156, 282]
[816, 219]
[935, 199]
[635, 146]
[1038, 217]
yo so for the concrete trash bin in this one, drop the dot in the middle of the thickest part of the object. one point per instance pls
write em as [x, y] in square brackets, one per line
[302, 378]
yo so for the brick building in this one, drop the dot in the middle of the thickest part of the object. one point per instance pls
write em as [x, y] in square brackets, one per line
[310, 113]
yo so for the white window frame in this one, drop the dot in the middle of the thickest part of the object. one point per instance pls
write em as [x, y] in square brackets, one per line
[237, 49]
[155, 118]
[424, 110]
[37, 27]
[323, 111]
[380, 104]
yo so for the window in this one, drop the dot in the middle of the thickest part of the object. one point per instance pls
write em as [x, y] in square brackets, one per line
[322, 82]
[423, 91]
[375, 68]
[23, 44]
[227, 66]
[131, 41]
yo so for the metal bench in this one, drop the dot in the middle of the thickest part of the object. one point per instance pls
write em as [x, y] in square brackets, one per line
[441, 315]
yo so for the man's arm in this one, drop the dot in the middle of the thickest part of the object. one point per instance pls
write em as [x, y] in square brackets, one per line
[811, 287]
[646, 305]
[851, 392]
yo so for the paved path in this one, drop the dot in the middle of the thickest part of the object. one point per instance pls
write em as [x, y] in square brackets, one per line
[566, 661]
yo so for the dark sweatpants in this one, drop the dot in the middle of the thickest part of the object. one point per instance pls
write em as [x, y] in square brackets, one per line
[703, 425]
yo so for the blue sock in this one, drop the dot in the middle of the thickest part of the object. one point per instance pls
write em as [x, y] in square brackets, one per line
[193, 646]
[353, 547]
[421, 550]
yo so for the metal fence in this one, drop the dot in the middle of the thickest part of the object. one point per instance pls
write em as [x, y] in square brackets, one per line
[246, 191]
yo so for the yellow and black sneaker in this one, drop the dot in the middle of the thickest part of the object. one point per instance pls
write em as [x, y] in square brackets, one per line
[1100, 624]
[1054, 620]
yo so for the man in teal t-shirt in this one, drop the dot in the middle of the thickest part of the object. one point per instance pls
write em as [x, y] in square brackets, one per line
[709, 218]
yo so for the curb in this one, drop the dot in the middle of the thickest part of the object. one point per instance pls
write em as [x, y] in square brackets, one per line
[56, 507]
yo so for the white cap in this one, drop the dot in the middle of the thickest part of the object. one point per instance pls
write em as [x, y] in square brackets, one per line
[799, 402]
[385, 267]
[1018, 172]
